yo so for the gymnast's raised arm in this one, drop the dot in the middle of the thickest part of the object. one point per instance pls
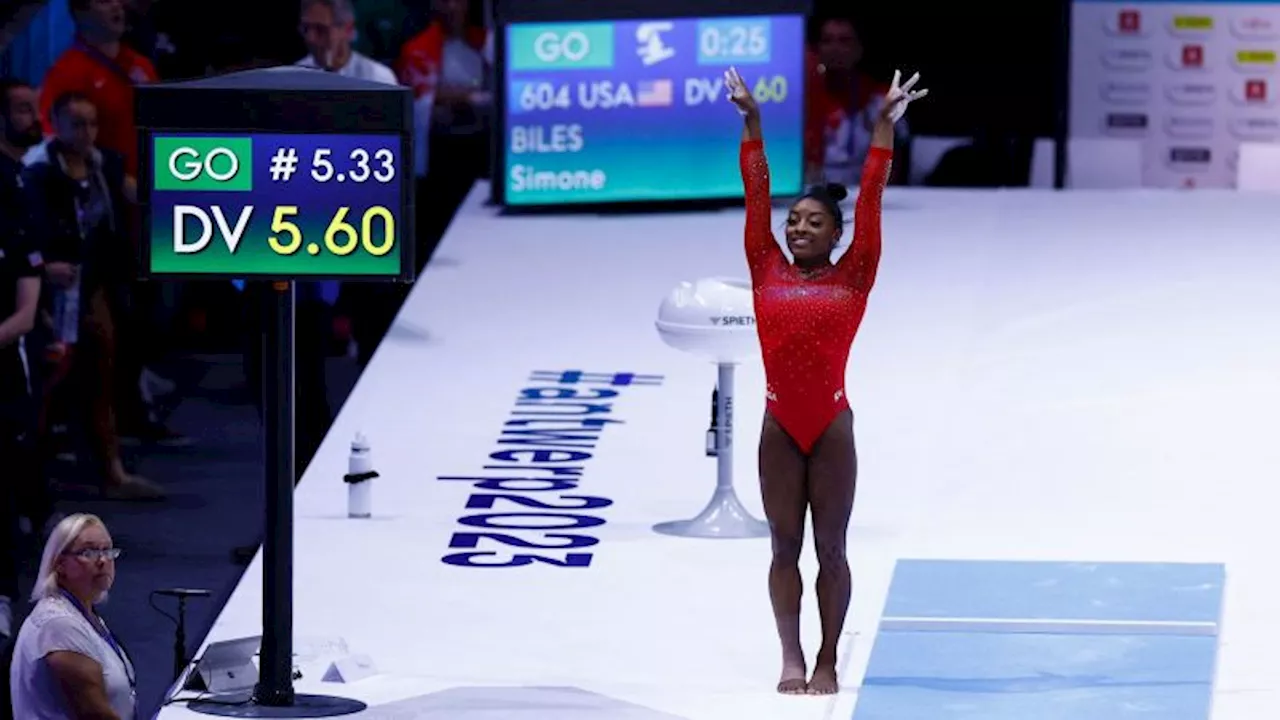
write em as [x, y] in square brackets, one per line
[760, 244]
[863, 258]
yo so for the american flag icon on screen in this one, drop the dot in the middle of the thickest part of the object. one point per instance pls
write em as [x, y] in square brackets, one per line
[654, 93]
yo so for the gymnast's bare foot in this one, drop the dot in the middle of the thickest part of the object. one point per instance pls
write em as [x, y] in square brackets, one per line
[792, 682]
[824, 680]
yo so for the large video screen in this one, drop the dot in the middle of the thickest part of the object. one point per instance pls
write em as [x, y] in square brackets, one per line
[636, 110]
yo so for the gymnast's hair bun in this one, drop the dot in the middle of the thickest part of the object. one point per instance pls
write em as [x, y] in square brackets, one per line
[835, 192]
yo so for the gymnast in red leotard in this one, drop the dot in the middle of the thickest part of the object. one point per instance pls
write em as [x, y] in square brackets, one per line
[807, 314]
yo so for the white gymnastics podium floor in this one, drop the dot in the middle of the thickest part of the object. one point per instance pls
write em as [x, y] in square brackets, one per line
[1082, 377]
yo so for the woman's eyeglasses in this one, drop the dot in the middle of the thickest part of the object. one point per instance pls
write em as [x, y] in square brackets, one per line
[96, 553]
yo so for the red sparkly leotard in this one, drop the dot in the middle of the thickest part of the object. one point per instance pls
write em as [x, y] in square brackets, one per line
[807, 324]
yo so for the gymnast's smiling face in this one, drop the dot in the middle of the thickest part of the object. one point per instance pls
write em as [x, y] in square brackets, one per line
[812, 231]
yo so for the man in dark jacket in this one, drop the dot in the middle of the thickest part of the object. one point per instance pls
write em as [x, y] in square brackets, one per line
[76, 198]
[24, 491]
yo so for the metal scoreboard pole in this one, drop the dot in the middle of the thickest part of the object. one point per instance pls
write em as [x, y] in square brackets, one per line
[284, 148]
[275, 668]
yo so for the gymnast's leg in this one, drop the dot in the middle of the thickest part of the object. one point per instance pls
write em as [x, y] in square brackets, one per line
[833, 476]
[783, 487]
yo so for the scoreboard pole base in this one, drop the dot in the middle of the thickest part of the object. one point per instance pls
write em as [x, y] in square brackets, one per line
[301, 706]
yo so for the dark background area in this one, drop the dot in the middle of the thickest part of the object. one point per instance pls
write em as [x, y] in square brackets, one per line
[990, 69]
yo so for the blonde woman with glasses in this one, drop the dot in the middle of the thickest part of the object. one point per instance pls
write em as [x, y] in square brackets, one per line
[66, 663]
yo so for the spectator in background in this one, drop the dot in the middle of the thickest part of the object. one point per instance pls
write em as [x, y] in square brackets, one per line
[20, 131]
[76, 196]
[448, 67]
[841, 107]
[328, 28]
[66, 662]
[20, 268]
[102, 68]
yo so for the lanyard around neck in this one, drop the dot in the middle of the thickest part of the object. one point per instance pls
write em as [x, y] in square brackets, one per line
[105, 633]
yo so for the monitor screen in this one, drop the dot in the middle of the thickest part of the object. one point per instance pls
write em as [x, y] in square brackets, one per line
[636, 111]
[276, 205]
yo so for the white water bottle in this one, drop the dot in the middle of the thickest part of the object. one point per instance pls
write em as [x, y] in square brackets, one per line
[359, 479]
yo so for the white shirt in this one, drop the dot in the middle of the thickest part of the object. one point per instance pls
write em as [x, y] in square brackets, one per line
[358, 66]
[845, 146]
[464, 67]
[56, 625]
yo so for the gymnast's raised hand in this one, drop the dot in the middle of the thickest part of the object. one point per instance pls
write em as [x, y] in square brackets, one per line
[898, 97]
[739, 94]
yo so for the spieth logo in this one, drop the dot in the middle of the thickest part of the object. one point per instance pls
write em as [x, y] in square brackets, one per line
[1254, 28]
[733, 320]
